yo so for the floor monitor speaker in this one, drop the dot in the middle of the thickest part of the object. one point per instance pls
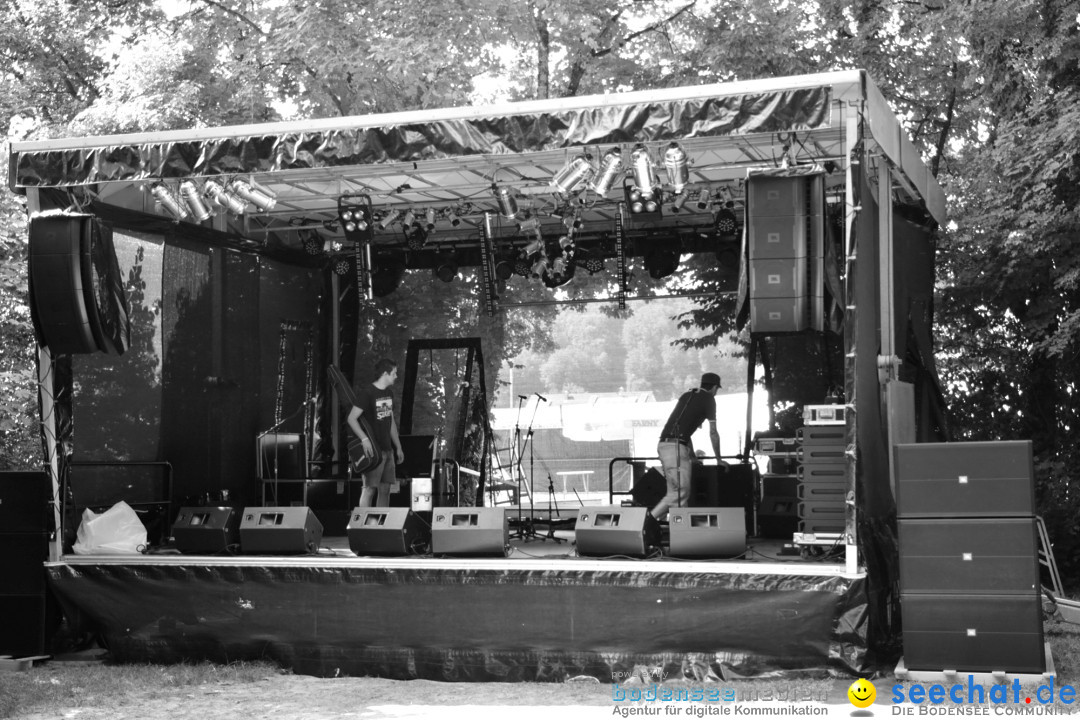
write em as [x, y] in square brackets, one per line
[280, 530]
[469, 531]
[207, 530]
[387, 531]
[707, 532]
[605, 530]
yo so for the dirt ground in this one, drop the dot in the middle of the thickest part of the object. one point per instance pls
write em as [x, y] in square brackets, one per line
[297, 697]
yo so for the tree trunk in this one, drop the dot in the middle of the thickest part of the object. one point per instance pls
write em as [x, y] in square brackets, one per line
[543, 54]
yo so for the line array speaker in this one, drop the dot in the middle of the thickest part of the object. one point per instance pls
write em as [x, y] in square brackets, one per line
[280, 530]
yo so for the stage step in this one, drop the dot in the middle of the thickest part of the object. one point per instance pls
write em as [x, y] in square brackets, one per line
[8, 662]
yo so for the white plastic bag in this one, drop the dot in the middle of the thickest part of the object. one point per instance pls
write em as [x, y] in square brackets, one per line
[117, 531]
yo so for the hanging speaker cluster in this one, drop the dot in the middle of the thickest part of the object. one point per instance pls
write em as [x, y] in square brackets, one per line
[77, 295]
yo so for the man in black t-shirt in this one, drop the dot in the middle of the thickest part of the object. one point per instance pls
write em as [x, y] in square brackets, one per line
[376, 404]
[675, 448]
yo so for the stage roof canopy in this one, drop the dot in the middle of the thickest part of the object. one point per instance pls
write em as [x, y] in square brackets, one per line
[446, 165]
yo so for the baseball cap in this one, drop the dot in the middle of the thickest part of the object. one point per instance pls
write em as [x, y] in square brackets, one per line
[710, 379]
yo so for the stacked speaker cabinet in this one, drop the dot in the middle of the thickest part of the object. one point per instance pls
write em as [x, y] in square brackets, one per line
[969, 565]
[785, 237]
[822, 487]
[24, 548]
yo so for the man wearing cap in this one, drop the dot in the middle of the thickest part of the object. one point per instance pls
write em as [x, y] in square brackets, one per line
[675, 448]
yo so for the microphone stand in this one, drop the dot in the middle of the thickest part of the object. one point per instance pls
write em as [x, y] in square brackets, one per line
[274, 430]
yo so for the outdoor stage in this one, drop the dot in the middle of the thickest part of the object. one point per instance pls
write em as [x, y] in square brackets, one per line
[539, 614]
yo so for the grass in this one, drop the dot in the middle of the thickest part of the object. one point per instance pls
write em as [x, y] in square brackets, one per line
[53, 686]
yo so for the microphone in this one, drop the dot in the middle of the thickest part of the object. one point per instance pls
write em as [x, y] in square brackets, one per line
[523, 397]
[541, 397]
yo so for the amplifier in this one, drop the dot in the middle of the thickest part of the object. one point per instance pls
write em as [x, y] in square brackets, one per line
[822, 434]
[280, 530]
[206, 530]
[996, 556]
[387, 531]
[973, 633]
[707, 532]
[605, 530]
[824, 414]
[965, 479]
[469, 531]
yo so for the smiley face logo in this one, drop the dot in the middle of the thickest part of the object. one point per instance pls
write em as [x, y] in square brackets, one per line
[862, 693]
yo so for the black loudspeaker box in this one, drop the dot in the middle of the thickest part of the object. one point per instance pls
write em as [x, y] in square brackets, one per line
[707, 532]
[24, 502]
[973, 633]
[975, 555]
[22, 633]
[280, 530]
[605, 530]
[22, 563]
[723, 486]
[650, 488]
[965, 479]
[387, 531]
[469, 531]
[207, 530]
[778, 516]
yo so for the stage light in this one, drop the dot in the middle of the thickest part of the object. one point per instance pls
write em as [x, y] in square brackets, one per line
[165, 197]
[258, 197]
[342, 266]
[573, 174]
[678, 201]
[224, 199]
[661, 263]
[677, 167]
[726, 223]
[354, 218]
[312, 242]
[429, 219]
[508, 206]
[703, 199]
[194, 202]
[534, 246]
[387, 276]
[389, 218]
[446, 267]
[560, 272]
[521, 267]
[594, 264]
[504, 267]
[572, 222]
[642, 206]
[409, 221]
[529, 224]
[566, 242]
[416, 240]
[610, 165]
[644, 176]
[539, 267]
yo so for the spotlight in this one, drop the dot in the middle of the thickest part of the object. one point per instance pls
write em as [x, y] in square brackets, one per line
[644, 176]
[165, 197]
[726, 224]
[678, 171]
[573, 174]
[610, 165]
[536, 245]
[703, 199]
[642, 206]
[560, 272]
[504, 267]
[661, 262]
[222, 198]
[389, 218]
[529, 224]
[354, 218]
[678, 201]
[387, 275]
[508, 206]
[446, 267]
[522, 267]
[194, 202]
[257, 196]
[539, 267]
[409, 221]
[429, 219]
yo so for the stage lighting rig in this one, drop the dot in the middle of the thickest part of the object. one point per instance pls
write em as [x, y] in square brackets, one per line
[167, 199]
[253, 193]
[446, 266]
[193, 199]
[356, 218]
[223, 198]
[572, 175]
[677, 166]
[508, 204]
